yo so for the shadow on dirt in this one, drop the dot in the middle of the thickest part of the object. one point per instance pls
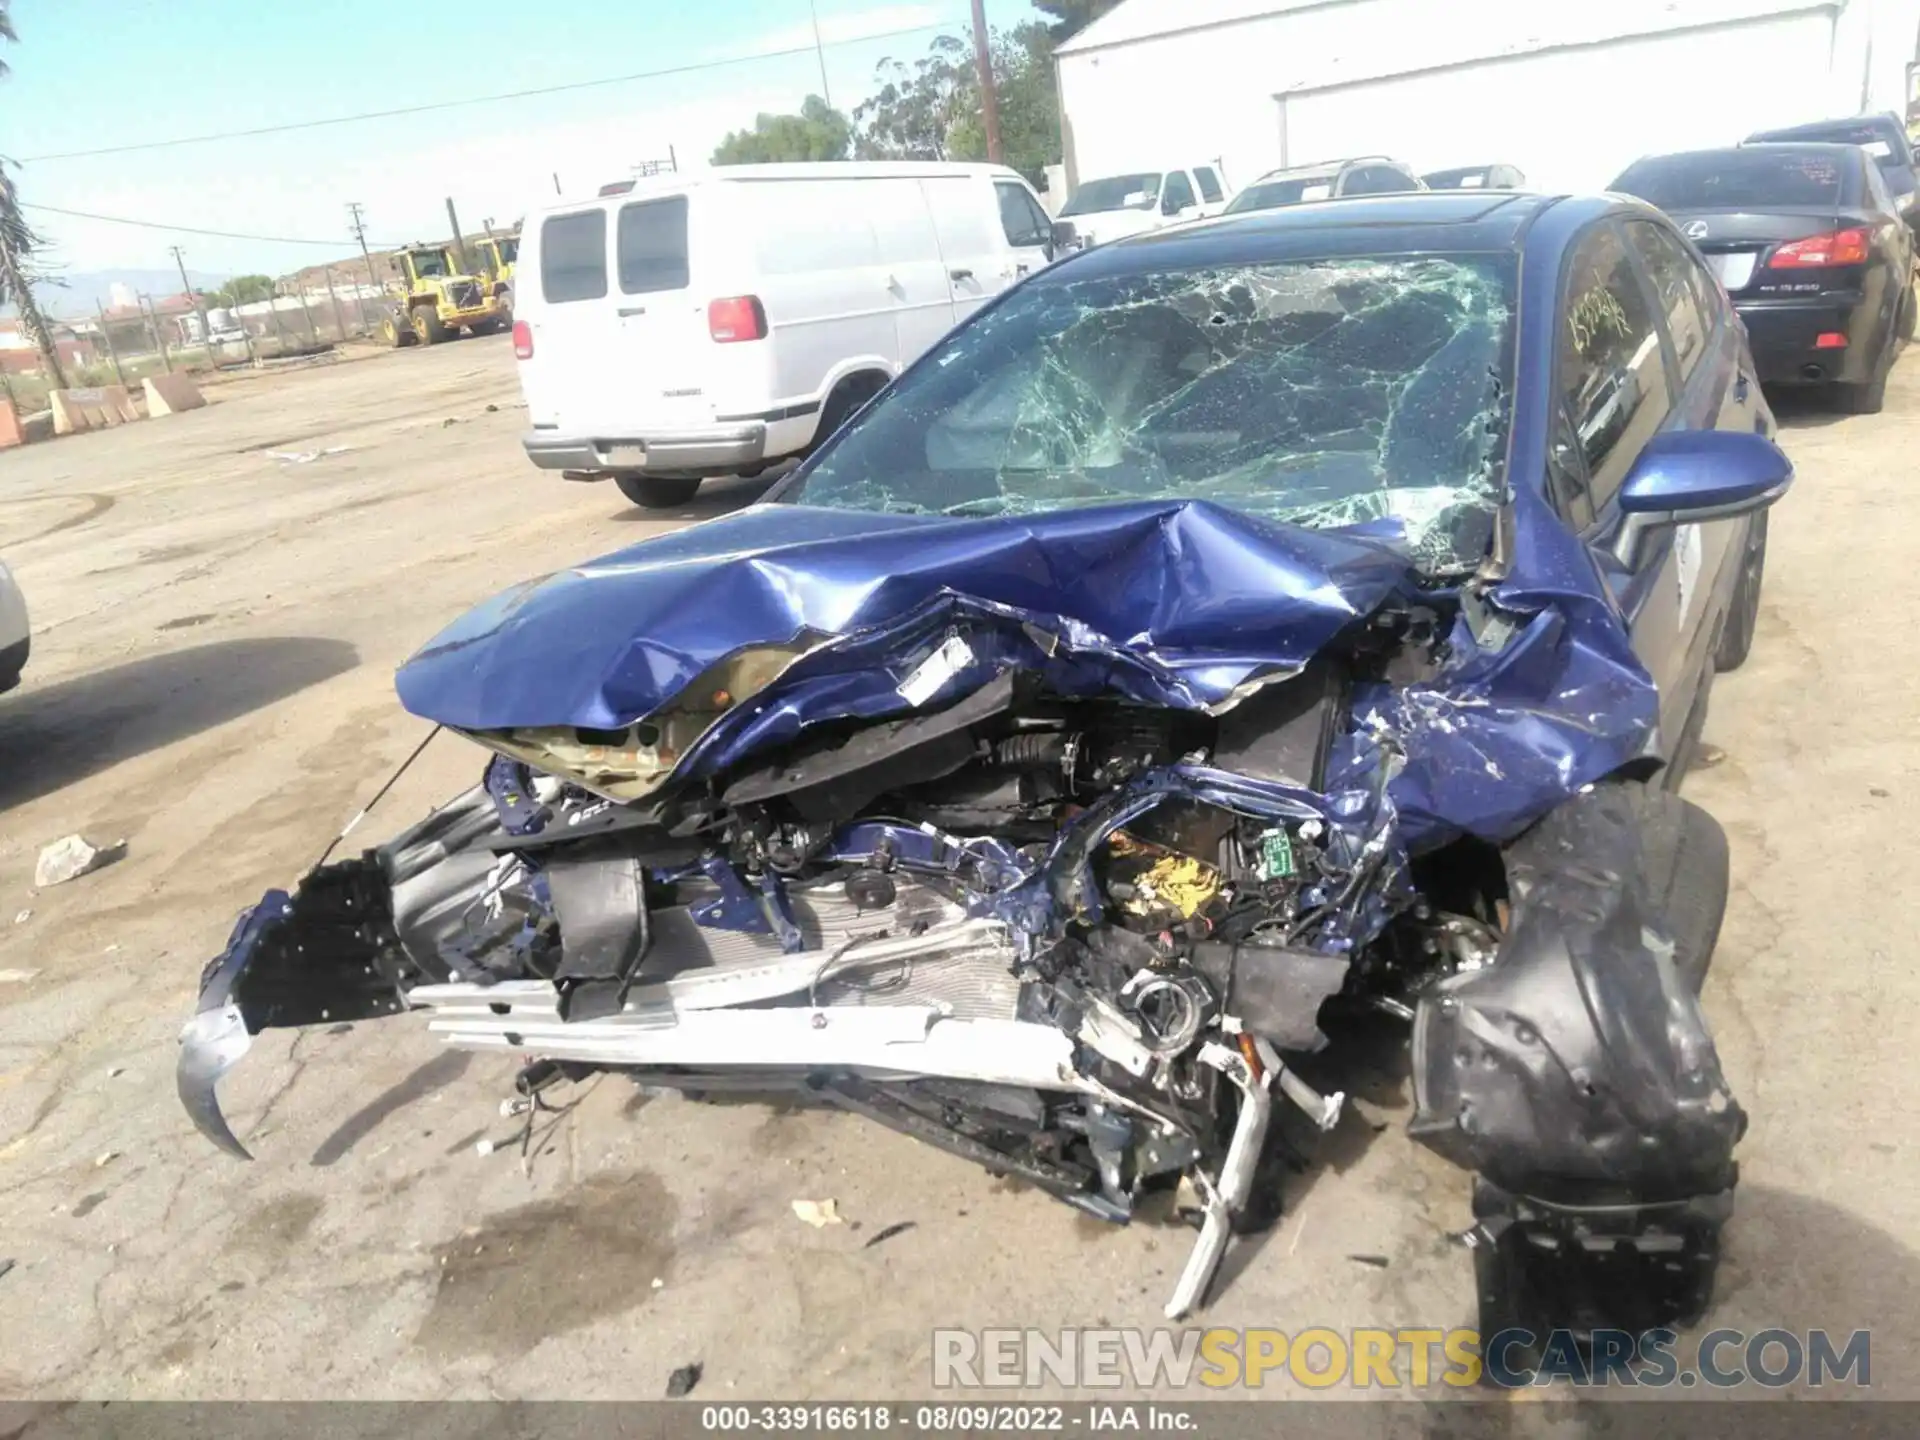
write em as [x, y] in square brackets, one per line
[55, 734]
[436, 1074]
[1808, 407]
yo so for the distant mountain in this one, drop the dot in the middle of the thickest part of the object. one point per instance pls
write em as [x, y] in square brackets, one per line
[85, 288]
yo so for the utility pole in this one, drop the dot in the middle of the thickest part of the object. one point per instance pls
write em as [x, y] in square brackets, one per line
[989, 97]
[199, 305]
[153, 329]
[339, 320]
[819, 49]
[360, 233]
[106, 338]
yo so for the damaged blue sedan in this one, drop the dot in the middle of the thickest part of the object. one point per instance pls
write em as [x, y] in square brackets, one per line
[1228, 633]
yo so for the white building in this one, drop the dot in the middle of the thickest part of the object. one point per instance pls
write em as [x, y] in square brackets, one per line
[1571, 91]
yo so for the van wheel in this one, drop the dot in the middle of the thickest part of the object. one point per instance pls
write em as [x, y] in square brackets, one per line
[658, 492]
[847, 397]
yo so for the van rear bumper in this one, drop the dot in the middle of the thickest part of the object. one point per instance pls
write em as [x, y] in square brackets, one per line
[672, 452]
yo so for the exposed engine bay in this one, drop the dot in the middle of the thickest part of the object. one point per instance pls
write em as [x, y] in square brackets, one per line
[1072, 930]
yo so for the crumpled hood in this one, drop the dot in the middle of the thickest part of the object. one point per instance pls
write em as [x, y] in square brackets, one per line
[1171, 603]
[1175, 603]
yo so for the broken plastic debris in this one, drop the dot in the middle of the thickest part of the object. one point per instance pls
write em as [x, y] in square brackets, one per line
[682, 1381]
[23, 917]
[17, 977]
[306, 457]
[5, 1266]
[70, 857]
[1707, 756]
[818, 1213]
[898, 1228]
[105, 1158]
[483, 1147]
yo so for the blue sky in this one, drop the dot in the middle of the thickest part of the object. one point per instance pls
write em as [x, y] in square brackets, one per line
[94, 73]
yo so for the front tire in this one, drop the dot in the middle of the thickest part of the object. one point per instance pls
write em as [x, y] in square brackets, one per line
[658, 492]
[1743, 615]
[397, 331]
[427, 326]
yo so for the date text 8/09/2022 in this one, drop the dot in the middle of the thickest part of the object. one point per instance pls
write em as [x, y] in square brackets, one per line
[939, 1419]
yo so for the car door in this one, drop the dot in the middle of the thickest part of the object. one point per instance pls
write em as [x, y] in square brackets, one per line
[1714, 389]
[1614, 390]
[1213, 189]
[912, 279]
[1026, 229]
[1178, 199]
[966, 244]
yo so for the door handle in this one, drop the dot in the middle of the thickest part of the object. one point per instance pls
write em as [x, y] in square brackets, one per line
[626, 311]
[960, 274]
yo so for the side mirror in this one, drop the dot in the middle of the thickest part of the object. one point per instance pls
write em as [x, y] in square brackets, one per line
[1065, 237]
[1684, 476]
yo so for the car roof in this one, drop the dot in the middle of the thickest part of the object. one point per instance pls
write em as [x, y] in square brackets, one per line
[1429, 220]
[1317, 168]
[1821, 148]
[680, 182]
[1885, 123]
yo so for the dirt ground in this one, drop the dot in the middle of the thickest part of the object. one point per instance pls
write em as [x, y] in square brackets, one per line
[216, 630]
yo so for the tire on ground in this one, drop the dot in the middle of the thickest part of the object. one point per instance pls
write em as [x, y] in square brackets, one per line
[1743, 613]
[658, 492]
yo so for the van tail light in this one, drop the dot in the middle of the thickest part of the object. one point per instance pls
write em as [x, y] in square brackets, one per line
[741, 317]
[1817, 252]
[522, 340]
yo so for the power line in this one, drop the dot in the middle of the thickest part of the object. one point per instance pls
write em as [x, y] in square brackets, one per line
[689, 69]
[181, 229]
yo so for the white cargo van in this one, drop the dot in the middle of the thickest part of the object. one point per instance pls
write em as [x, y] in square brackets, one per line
[692, 325]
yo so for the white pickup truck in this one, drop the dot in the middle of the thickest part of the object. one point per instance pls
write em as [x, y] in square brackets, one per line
[1110, 207]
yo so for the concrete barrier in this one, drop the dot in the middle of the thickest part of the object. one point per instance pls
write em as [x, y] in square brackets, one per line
[95, 409]
[170, 394]
[10, 432]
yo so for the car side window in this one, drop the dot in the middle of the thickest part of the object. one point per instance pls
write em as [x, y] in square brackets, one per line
[1020, 218]
[1877, 190]
[1178, 194]
[1376, 180]
[573, 257]
[1209, 182]
[1566, 472]
[1610, 370]
[1670, 269]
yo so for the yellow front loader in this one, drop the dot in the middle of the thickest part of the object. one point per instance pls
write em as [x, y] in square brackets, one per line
[433, 300]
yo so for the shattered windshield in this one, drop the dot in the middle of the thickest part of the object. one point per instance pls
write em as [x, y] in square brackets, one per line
[1115, 192]
[1322, 393]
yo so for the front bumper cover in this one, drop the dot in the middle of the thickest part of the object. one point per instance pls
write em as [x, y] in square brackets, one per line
[327, 952]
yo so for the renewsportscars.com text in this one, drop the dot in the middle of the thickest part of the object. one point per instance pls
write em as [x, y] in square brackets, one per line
[1401, 1358]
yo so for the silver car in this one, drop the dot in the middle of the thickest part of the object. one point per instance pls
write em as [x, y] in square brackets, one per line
[15, 636]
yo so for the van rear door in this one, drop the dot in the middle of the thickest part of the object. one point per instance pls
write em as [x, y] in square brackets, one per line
[620, 338]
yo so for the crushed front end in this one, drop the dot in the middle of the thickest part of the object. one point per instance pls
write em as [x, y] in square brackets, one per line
[953, 847]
